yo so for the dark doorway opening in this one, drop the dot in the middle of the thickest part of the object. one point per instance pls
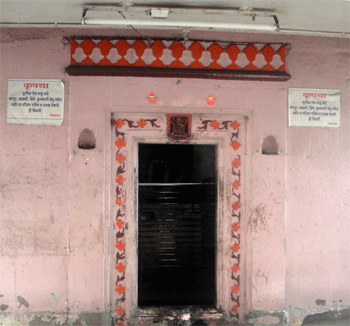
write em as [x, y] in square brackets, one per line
[177, 225]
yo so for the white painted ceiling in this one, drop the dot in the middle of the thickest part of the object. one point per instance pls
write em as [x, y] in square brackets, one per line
[295, 17]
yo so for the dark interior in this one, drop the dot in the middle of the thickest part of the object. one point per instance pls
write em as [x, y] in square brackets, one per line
[177, 223]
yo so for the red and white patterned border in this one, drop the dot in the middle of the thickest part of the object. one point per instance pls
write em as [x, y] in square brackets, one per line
[264, 57]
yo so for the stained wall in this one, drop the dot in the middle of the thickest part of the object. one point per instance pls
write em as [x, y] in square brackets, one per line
[56, 198]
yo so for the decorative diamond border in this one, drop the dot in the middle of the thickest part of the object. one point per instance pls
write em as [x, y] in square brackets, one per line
[180, 55]
[172, 58]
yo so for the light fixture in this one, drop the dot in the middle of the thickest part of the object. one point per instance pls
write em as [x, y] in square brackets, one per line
[160, 13]
[127, 14]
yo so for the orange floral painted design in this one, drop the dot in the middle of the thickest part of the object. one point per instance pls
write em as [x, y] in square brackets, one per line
[235, 288]
[235, 145]
[120, 245]
[120, 158]
[235, 227]
[120, 324]
[120, 289]
[235, 268]
[236, 185]
[214, 125]
[120, 224]
[235, 125]
[120, 310]
[142, 123]
[236, 206]
[119, 201]
[236, 163]
[235, 247]
[120, 143]
[234, 309]
[120, 123]
[120, 180]
[120, 268]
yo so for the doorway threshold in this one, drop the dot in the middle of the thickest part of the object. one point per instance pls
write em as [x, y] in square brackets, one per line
[159, 314]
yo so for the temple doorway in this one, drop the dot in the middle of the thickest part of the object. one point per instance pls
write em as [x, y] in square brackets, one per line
[177, 209]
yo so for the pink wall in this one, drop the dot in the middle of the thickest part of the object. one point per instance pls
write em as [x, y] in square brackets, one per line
[56, 199]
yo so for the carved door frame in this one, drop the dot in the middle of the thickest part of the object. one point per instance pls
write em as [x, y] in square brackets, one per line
[228, 133]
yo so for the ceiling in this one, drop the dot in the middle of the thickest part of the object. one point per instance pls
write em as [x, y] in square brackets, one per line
[327, 17]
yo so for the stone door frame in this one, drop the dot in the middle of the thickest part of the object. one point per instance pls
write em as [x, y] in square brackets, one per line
[228, 133]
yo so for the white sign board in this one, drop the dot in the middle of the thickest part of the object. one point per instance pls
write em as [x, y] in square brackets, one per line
[314, 108]
[35, 102]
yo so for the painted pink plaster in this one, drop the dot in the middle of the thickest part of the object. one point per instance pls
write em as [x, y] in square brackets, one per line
[56, 199]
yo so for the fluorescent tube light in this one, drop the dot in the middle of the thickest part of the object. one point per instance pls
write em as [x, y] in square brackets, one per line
[165, 23]
[181, 17]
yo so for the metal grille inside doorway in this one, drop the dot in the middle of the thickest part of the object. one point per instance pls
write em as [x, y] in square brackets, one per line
[177, 223]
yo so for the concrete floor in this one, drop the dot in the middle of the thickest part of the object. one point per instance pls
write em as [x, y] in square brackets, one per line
[329, 318]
